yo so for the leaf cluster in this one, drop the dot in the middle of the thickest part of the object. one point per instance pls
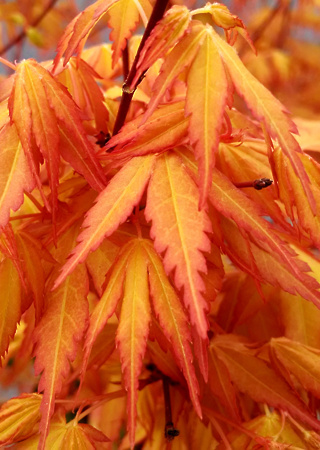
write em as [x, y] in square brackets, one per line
[159, 218]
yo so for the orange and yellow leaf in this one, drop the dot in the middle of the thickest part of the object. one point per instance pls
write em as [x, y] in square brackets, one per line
[173, 320]
[15, 174]
[172, 205]
[113, 206]
[133, 329]
[205, 103]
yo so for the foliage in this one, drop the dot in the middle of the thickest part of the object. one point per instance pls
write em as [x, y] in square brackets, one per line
[154, 281]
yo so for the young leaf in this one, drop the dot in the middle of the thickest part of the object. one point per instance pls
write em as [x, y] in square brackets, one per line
[205, 103]
[172, 319]
[44, 127]
[123, 20]
[112, 208]
[179, 58]
[163, 37]
[48, 110]
[19, 417]
[61, 328]
[133, 329]
[15, 174]
[172, 205]
[267, 108]
[78, 30]
[65, 436]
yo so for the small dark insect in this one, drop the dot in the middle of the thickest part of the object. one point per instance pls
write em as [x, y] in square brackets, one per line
[102, 138]
[259, 184]
[262, 183]
[170, 431]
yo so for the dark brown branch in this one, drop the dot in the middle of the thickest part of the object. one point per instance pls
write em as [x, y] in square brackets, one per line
[256, 184]
[23, 33]
[127, 94]
[170, 431]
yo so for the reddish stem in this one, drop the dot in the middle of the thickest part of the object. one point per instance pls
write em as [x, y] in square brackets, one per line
[127, 94]
[170, 431]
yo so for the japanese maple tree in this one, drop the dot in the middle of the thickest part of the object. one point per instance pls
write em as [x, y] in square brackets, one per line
[160, 226]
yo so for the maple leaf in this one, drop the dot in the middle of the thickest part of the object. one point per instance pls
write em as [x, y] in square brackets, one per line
[299, 360]
[108, 301]
[99, 262]
[247, 162]
[177, 60]
[66, 309]
[10, 303]
[124, 16]
[293, 195]
[221, 386]
[113, 205]
[166, 128]
[77, 31]
[172, 206]
[206, 107]
[267, 108]
[172, 319]
[34, 273]
[232, 203]
[79, 78]
[64, 436]
[133, 327]
[266, 267]
[254, 377]
[19, 417]
[41, 109]
[267, 425]
[163, 37]
[16, 177]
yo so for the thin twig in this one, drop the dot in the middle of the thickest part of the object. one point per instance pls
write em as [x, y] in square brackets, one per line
[170, 431]
[23, 33]
[127, 94]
